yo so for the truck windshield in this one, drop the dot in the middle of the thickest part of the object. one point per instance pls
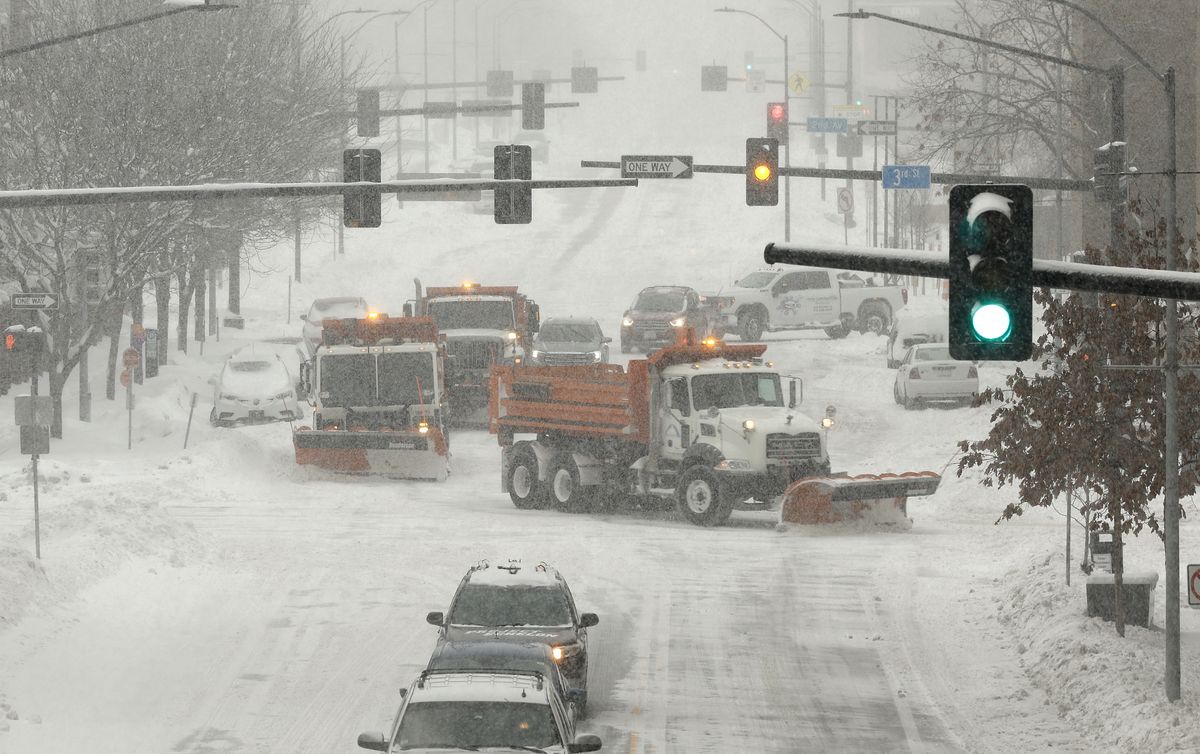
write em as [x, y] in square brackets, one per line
[757, 280]
[730, 390]
[479, 605]
[659, 301]
[477, 725]
[347, 380]
[472, 315]
[402, 375]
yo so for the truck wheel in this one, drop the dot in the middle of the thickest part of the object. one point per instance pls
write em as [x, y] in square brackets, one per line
[750, 326]
[701, 498]
[524, 487]
[874, 318]
[839, 331]
[566, 492]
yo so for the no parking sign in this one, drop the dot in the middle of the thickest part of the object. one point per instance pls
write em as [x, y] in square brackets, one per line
[1193, 585]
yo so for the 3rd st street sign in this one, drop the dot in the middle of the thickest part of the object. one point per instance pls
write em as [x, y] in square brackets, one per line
[34, 301]
[656, 166]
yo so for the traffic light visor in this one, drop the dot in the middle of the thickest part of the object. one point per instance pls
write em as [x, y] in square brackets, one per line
[762, 172]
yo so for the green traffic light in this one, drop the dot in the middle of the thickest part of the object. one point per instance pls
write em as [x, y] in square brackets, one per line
[991, 322]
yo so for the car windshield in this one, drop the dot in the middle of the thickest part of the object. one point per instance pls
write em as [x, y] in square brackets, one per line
[406, 378]
[250, 366]
[659, 301]
[932, 354]
[485, 605]
[757, 280]
[472, 315]
[347, 380]
[569, 333]
[477, 725]
[730, 390]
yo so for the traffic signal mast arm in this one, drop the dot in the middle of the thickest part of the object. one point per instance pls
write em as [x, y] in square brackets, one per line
[1046, 273]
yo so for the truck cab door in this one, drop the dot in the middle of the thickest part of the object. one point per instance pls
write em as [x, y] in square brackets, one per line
[822, 301]
[788, 301]
[674, 411]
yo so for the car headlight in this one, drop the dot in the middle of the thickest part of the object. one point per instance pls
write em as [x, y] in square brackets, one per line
[627, 321]
[734, 464]
[678, 322]
[562, 652]
[596, 355]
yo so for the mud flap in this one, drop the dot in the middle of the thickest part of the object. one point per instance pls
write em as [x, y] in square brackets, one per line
[881, 499]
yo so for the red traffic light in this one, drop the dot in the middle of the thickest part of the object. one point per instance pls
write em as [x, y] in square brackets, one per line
[10, 341]
[776, 111]
[777, 121]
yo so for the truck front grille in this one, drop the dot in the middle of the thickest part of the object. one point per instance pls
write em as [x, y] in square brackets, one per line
[565, 359]
[473, 354]
[781, 447]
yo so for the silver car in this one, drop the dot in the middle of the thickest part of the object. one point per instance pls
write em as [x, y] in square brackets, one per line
[569, 340]
[254, 387]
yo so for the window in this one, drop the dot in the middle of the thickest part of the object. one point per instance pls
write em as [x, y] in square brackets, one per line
[472, 315]
[679, 396]
[659, 300]
[481, 605]
[731, 390]
[477, 725]
[816, 280]
[792, 281]
[756, 280]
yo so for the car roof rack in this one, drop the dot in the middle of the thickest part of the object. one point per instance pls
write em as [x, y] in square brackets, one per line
[538, 676]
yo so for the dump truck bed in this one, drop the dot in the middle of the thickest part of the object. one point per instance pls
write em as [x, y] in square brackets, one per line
[595, 400]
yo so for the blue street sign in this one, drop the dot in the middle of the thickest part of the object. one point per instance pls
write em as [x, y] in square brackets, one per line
[906, 176]
[827, 125]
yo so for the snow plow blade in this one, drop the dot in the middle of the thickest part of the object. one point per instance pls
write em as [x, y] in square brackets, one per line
[881, 498]
[402, 455]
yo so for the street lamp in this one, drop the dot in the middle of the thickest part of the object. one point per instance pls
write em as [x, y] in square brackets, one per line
[173, 7]
[1171, 358]
[787, 159]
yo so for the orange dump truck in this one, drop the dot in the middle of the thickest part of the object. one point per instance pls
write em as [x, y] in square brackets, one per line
[377, 390]
[709, 424]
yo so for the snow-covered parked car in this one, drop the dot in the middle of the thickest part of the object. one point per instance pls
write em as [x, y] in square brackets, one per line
[254, 387]
[338, 307]
[928, 374]
[910, 327]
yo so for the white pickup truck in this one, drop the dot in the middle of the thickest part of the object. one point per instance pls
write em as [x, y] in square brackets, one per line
[772, 299]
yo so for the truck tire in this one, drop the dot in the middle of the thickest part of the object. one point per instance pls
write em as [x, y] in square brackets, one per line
[524, 488]
[751, 325]
[874, 317]
[838, 331]
[701, 497]
[566, 493]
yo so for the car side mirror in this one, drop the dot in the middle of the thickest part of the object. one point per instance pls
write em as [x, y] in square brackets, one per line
[403, 693]
[435, 619]
[792, 400]
[587, 620]
[378, 741]
[585, 743]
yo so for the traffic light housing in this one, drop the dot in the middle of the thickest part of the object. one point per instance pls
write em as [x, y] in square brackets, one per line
[777, 122]
[533, 106]
[991, 261]
[368, 112]
[513, 204]
[762, 172]
[361, 208]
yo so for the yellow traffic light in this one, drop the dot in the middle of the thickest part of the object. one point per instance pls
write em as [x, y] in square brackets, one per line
[762, 172]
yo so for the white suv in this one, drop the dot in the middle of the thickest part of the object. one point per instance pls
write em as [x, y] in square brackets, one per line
[481, 710]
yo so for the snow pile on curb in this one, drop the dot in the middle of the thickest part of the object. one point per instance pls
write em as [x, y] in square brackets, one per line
[1109, 686]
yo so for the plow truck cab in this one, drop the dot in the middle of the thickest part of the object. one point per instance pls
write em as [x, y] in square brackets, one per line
[377, 390]
[483, 326]
[708, 424]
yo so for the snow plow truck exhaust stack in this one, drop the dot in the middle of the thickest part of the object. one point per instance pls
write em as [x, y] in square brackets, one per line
[377, 390]
[880, 499]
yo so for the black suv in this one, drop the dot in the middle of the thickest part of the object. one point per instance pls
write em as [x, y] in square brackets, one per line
[518, 605]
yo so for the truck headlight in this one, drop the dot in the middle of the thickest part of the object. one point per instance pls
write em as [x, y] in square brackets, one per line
[596, 355]
[627, 321]
[678, 322]
[536, 354]
[748, 425]
[512, 335]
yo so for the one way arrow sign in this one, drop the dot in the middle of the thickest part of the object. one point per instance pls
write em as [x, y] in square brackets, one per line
[34, 301]
[656, 166]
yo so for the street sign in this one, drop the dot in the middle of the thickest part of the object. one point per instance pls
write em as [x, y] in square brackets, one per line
[1193, 584]
[151, 352]
[798, 83]
[845, 200]
[126, 377]
[132, 357]
[35, 441]
[34, 301]
[656, 166]
[33, 411]
[851, 111]
[876, 127]
[756, 82]
[906, 176]
[137, 335]
[827, 125]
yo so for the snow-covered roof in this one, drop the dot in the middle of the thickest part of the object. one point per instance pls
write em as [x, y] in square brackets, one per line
[481, 686]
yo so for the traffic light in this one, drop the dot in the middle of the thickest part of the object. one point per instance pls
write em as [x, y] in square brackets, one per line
[513, 204]
[361, 208]
[12, 342]
[991, 261]
[777, 122]
[713, 78]
[1108, 162]
[762, 172]
[585, 80]
[368, 112]
[533, 106]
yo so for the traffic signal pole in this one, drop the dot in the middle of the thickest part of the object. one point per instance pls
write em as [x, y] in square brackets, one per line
[787, 150]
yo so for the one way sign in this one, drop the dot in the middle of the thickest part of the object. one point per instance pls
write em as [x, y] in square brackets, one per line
[656, 166]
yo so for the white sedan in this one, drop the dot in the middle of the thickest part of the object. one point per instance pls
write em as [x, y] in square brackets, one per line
[927, 374]
[254, 387]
